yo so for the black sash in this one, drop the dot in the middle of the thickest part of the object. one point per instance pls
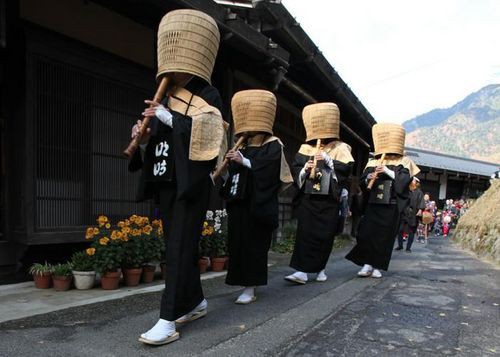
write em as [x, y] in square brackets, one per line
[235, 187]
[159, 156]
[319, 185]
[381, 193]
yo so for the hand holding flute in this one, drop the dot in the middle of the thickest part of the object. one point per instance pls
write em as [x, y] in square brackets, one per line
[140, 131]
[374, 175]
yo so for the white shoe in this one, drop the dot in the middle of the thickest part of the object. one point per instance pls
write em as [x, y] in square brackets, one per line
[366, 271]
[161, 333]
[198, 312]
[321, 276]
[247, 296]
[376, 274]
[297, 278]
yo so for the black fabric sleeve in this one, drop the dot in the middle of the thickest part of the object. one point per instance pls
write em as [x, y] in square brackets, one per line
[297, 166]
[135, 163]
[401, 186]
[342, 171]
[265, 177]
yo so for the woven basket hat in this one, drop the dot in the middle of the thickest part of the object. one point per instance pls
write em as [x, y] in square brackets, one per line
[322, 121]
[253, 110]
[188, 41]
[388, 138]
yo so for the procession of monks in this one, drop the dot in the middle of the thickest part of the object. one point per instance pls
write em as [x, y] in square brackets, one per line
[186, 140]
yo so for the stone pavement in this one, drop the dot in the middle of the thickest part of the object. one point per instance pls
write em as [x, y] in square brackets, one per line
[437, 300]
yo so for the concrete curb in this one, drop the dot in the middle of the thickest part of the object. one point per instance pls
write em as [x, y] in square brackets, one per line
[23, 300]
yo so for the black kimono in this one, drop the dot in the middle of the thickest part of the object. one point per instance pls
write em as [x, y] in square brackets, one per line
[182, 188]
[379, 226]
[253, 216]
[318, 215]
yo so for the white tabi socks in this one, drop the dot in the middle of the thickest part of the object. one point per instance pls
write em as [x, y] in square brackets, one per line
[322, 277]
[161, 333]
[195, 314]
[298, 277]
[366, 270]
[247, 296]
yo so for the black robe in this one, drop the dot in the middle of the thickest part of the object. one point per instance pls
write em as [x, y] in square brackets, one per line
[183, 204]
[317, 219]
[379, 226]
[253, 218]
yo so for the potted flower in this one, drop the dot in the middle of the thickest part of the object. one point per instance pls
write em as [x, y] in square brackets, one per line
[107, 253]
[41, 275]
[134, 249]
[217, 239]
[204, 246]
[153, 249]
[61, 276]
[83, 269]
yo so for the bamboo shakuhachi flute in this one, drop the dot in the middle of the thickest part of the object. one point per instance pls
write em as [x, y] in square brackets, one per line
[134, 144]
[374, 177]
[312, 174]
[224, 163]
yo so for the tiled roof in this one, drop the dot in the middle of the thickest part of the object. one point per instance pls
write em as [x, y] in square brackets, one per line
[451, 163]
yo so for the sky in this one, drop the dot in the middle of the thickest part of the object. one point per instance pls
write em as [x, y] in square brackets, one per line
[403, 58]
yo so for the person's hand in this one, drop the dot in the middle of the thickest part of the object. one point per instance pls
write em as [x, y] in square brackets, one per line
[419, 213]
[379, 169]
[308, 166]
[151, 111]
[370, 176]
[135, 131]
[319, 157]
[234, 156]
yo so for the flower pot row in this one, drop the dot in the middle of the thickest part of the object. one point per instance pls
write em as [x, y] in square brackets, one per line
[216, 264]
[84, 280]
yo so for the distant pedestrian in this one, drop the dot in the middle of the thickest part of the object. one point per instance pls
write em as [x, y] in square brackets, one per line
[412, 215]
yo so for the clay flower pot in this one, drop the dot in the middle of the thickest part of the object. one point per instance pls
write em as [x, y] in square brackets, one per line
[203, 264]
[110, 280]
[132, 276]
[42, 281]
[62, 283]
[218, 264]
[84, 280]
[163, 267]
[148, 273]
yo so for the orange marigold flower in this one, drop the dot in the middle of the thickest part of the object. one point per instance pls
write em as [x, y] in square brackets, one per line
[133, 217]
[126, 230]
[108, 226]
[96, 231]
[125, 238]
[89, 234]
[116, 235]
[127, 223]
[147, 229]
[160, 231]
[90, 251]
[136, 232]
[102, 220]
[121, 224]
[205, 224]
[104, 241]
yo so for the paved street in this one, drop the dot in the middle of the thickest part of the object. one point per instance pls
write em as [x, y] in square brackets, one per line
[434, 301]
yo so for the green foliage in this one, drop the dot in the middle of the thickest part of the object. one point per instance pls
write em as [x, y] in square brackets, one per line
[40, 269]
[81, 261]
[62, 269]
[287, 242]
[213, 241]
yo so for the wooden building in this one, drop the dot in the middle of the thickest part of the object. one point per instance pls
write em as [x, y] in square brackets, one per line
[446, 176]
[73, 77]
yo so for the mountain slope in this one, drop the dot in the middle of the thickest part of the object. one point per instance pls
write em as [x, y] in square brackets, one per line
[470, 128]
